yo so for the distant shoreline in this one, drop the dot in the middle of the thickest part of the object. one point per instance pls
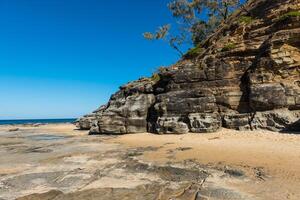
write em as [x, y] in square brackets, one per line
[36, 121]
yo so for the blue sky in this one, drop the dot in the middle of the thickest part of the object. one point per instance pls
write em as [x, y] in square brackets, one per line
[65, 58]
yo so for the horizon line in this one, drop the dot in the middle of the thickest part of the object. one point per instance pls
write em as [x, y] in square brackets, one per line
[39, 118]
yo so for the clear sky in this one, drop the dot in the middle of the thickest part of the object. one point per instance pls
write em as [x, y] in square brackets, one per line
[64, 58]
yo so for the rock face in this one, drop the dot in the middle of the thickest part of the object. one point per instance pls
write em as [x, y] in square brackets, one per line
[126, 112]
[247, 77]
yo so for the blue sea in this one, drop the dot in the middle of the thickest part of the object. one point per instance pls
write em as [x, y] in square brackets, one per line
[36, 121]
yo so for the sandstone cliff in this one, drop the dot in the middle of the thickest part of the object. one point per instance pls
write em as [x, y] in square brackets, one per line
[245, 76]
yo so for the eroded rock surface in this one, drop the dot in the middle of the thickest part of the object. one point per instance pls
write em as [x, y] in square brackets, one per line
[56, 162]
[247, 77]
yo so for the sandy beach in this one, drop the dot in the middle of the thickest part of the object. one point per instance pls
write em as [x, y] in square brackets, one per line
[59, 162]
[272, 158]
[143, 100]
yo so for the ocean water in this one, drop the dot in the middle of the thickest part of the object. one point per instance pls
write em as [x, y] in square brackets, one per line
[36, 121]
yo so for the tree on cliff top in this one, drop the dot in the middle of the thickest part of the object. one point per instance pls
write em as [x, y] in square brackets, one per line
[196, 20]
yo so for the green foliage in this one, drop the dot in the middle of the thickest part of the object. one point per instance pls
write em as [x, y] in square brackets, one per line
[193, 52]
[155, 78]
[245, 19]
[289, 14]
[228, 47]
[196, 20]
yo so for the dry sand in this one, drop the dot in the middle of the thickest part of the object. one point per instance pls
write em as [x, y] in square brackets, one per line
[272, 157]
[242, 165]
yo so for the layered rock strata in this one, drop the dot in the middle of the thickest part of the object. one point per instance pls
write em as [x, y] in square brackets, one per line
[246, 77]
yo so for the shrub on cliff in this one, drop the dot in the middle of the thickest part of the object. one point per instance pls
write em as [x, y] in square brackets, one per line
[228, 47]
[289, 14]
[193, 52]
[245, 19]
[196, 20]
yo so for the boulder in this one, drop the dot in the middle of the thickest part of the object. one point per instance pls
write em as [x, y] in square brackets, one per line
[276, 120]
[205, 122]
[167, 125]
[85, 123]
[237, 121]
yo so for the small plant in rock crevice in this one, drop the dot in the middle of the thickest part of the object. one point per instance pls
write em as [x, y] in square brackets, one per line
[289, 15]
[245, 20]
[228, 47]
[155, 78]
[193, 52]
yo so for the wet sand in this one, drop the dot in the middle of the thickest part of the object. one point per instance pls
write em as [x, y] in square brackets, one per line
[72, 165]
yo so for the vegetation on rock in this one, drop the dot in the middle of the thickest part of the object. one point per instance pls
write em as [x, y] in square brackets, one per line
[196, 20]
[289, 14]
[155, 78]
[228, 47]
[193, 52]
[245, 19]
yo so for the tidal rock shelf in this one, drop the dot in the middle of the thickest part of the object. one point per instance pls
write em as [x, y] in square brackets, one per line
[247, 76]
